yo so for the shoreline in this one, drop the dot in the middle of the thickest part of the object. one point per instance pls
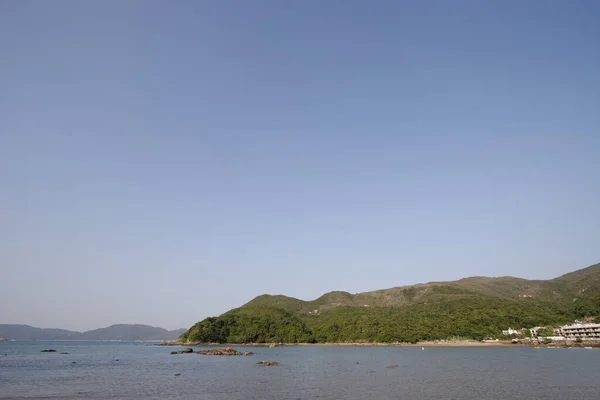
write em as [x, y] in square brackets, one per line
[461, 343]
[465, 343]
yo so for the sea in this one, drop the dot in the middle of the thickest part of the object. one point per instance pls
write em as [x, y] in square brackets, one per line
[104, 370]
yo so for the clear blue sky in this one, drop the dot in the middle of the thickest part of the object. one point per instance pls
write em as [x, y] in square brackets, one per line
[161, 162]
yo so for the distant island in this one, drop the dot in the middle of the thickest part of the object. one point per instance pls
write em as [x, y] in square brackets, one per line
[124, 332]
[476, 308]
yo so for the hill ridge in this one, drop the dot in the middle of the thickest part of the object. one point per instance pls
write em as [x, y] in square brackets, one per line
[465, 283]
[472, 307]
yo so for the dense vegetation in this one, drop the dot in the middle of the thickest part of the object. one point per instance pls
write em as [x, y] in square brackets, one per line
[474, 308]
[469, 318]
[473, 317]
[250, 325]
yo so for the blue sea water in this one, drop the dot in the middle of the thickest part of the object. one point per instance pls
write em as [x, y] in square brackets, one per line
[95, 370]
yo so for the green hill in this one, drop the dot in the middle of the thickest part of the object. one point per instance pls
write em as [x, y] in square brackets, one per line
[475, 307]
[251, 325]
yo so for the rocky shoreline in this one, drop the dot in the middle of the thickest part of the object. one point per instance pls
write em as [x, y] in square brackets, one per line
[227, 351]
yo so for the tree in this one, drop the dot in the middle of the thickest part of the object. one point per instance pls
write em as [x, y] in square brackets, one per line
[545, 331]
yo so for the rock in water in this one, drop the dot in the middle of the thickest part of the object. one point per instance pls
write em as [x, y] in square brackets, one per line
[48, 351]
[268, 363]
[177, 374]
[227, 351]
[174, 352]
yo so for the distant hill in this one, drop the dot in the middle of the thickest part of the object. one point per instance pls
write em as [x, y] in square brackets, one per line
[475, 307]
[114, 332]
[26, 332]
[131, 332]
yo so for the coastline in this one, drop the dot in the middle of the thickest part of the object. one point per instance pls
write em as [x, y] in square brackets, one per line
[456, 343]
[461, 343]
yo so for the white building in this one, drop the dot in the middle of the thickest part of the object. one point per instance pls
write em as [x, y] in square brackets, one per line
[511, 331]
[581, 331]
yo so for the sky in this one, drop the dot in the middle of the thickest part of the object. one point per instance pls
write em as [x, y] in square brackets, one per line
[162, 162]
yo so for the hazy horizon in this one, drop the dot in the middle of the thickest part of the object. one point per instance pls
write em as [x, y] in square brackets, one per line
[162, 162]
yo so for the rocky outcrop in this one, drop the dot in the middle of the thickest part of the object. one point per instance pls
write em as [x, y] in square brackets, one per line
[227, 351]
[187, 350]
[268, 363]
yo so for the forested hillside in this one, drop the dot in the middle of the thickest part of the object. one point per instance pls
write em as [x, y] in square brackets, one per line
[476, 308]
